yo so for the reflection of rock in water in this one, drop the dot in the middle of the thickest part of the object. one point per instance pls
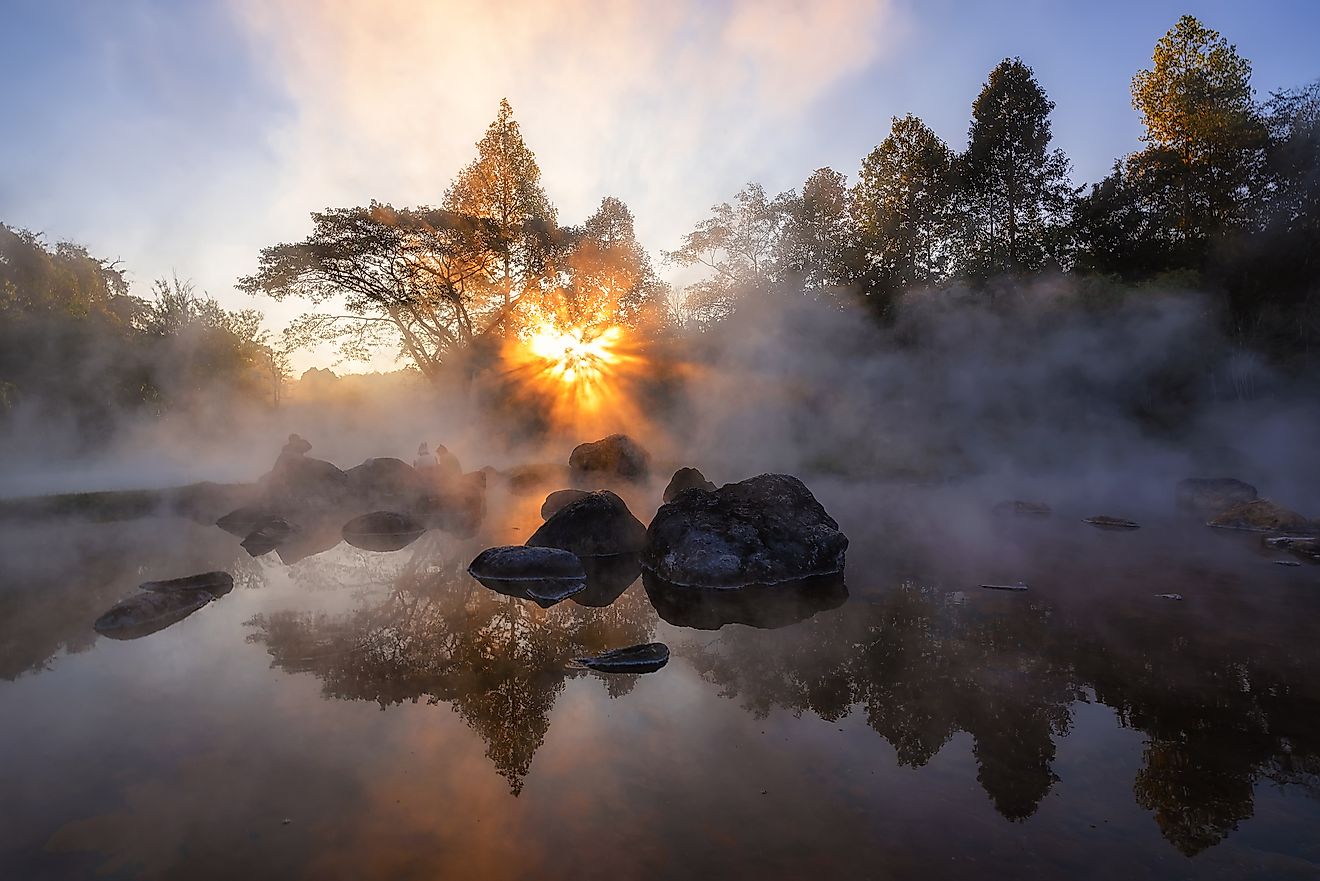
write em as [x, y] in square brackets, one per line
[382, 531]
[439, 637]
[607, 578]
[758, 605]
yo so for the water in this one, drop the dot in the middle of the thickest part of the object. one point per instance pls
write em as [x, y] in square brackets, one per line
[364, 714]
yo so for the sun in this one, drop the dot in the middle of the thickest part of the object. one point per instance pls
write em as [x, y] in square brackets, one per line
[574, 355]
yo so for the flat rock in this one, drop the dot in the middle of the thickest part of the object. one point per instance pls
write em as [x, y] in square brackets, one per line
[217, 584]
[598, 524]
[617, 456]
[685, 479]
[1262, 515]
[763, 530]
[645, 658]
[513, 562]
[149, 611]
[1104, 521]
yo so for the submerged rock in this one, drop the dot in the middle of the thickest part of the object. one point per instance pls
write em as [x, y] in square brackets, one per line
[1262, 515]
[767, 606]
[1104, 521]
[1211, 496]
[558, 499]
[217, 584]
[764, 530]
[645, 658]
[267, 535]
[685, 479]
[516, 562]
[150, 611]
[617, 456]
[382, 531]
[598, 524]
[1019, 508]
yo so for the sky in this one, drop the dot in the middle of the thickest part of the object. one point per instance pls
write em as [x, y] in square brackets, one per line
[182, 137]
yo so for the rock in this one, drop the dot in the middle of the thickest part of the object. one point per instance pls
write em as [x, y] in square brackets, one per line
[241, 521]
[764, 606]
[310, 537]
[1262, 515]
[1285, 562]
[617, 456]
[217, 584]
[147, 612]
[299, 483]
[607, 578]
[598, 524]
[545, 576]
[267, 535]
[387, 483]
[1019, 508]
[645, 658]
[513, 562]
[685, 479]
[1301, 545]
[1177, 597]
[1015, 587]
[524, 480]
[457, 506]
[382, 531]
[764, 530]
[558, 499]
[1210, 496]
[1104, 521]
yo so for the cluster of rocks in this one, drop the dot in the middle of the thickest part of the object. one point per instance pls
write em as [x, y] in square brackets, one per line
[308, 505]
[762, 551]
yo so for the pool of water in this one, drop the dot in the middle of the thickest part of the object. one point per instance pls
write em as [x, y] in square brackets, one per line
[372, 715]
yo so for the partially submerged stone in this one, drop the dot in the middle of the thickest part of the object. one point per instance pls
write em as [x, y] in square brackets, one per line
[685, 479]
[1262, 515]
[645, 658]
[763, 530]
[1104, 521]
[767, 606]
[382, 531]
[217, 584]
[267, 535]
[1306, 546]
[598, 524]
[558, 499]
[1019, 586]
[615, 457]
[545, 576]
[1210, 496]
[241, 521]
[149, 611]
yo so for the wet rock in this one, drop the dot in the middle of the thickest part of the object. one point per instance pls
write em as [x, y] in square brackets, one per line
[1262, 515]
[267, 535]
[607, 578]
[1014, 587]
[241, 521]
[1177, 597]
[1210, 496]
[598, 524]
[645, 658]
[217, 584]
[149, 611]
[1019, 508]
[514, 562]
[558, 499]
[1285, 563]
[1104, 521]
[382, 531]
[767, 606]
[764, 530]
[387, 483]
[1304, 546]
[685, 479]
[615, 457]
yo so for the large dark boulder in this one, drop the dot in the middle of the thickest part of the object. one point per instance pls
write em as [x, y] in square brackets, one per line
[617, 457]
[1210, 496]
[764, 530]
[685, 479]
[558, 499]
[387, 483]
[598, 524]
[1262, 515]
[300, 483]
[545, 576]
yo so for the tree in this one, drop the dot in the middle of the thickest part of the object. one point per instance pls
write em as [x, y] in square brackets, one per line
[903, 208]
[612, 275]
[419, 278]
[1016, 189]
[502, 186]
[738, 243]
[1196, 103]
[817, 243]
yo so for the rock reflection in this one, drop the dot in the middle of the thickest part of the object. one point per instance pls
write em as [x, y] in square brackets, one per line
[437, 636]
[765, 606]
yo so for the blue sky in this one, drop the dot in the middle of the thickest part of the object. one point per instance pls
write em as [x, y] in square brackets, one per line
[183, 136]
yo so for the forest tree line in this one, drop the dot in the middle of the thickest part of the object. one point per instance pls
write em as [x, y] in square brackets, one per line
[1221, 198]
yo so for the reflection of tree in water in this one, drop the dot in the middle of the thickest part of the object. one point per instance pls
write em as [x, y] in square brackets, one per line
[1006, 671]
[439, 636]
